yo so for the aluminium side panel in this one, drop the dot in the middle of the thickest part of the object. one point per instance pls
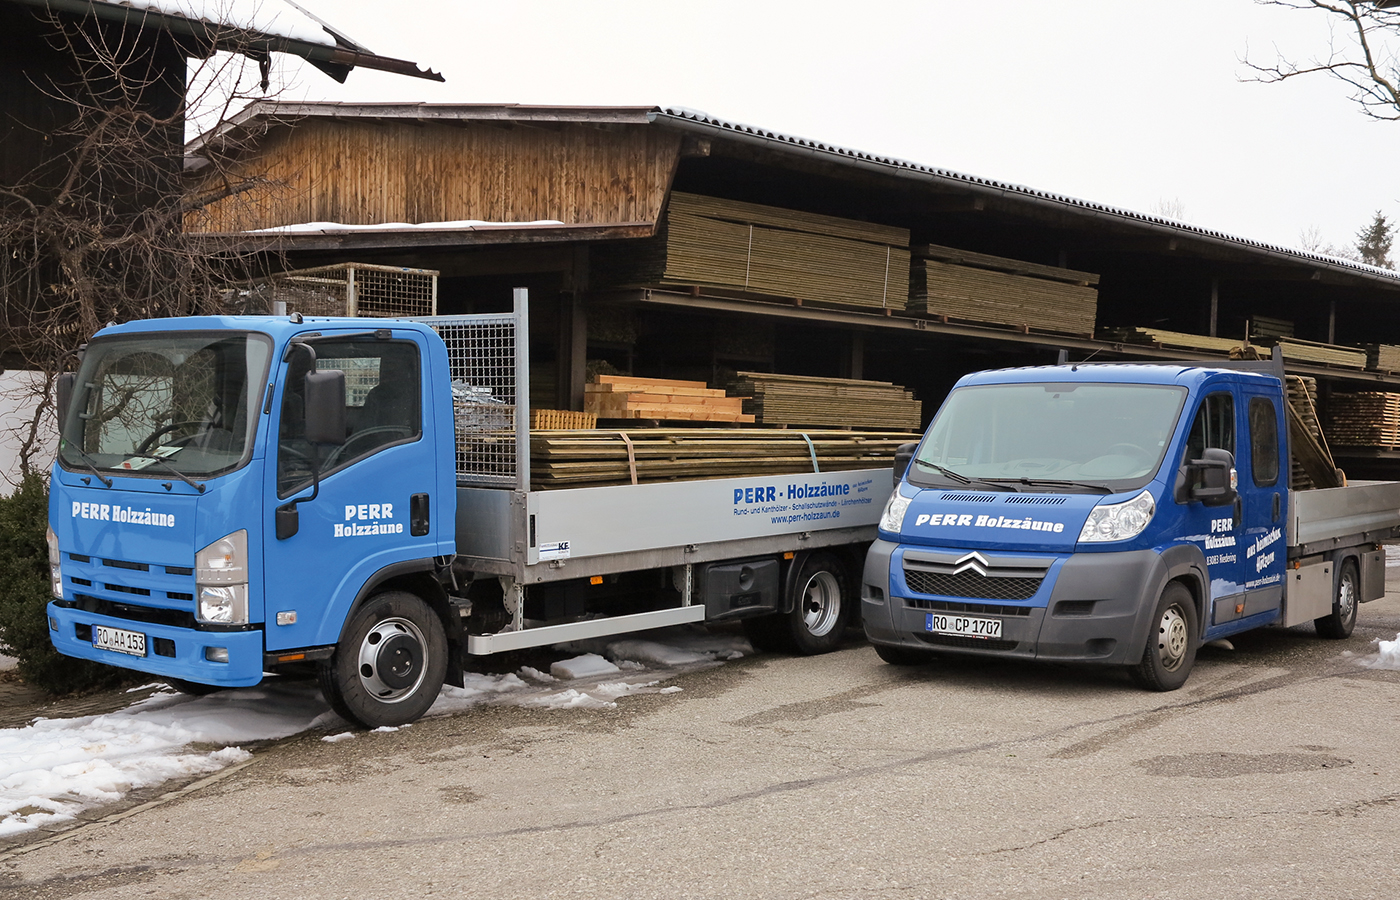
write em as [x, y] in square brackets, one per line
[1321, 519]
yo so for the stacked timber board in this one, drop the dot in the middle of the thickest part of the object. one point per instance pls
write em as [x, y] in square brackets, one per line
[567, 459]
[707, 242]
[1310, 451]
[827, 402]
[977, 287]
[1383, 357]
[1366, 419]
[1327, 354]
[1174, 340]
[662, 399]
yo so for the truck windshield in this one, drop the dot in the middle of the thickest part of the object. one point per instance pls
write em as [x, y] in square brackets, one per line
[153, 402]
[1104, 435]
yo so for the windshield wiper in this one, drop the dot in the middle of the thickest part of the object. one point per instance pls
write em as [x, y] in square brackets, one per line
[960, 478]
[197, 485]
[1058, 482]
[88, 463]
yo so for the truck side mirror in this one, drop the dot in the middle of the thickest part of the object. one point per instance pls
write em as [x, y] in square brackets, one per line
[903, 455]
[325, 406]
[1212, 479]
[63, 391]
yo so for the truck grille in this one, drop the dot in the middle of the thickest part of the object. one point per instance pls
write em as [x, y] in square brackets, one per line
[128, 589]
[971, 584]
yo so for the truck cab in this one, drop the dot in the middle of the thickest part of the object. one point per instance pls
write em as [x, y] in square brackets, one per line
[1103, 514]
[230, 493]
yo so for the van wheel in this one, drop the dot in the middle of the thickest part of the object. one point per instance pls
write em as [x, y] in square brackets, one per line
[390, 664]
[1171, 643]
[1340, 622]
[821, 610]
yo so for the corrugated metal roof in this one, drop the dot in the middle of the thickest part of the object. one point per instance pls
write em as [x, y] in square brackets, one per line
[678, 115]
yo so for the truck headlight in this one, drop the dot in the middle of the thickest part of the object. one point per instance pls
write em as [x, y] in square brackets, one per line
[221, 580]
[55, 565]
[1119, 521]
[892, 520]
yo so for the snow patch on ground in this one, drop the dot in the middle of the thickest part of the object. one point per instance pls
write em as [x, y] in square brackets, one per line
[53, 769]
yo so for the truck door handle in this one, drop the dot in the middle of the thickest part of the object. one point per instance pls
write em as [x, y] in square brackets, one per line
[1239, 510]
[1278, 505]
[418, 520]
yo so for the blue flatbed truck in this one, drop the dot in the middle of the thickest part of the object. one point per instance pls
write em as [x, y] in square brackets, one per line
[351, 498]
[1116, 515]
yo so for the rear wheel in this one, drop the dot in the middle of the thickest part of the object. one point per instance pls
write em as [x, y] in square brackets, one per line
[390, 665]
[821, 610]
[1171, 644]
[1340, 622]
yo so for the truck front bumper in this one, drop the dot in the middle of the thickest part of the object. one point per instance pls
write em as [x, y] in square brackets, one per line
[1095, 611]
[171, 652]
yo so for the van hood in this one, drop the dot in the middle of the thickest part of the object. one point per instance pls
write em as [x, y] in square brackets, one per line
[999, 520]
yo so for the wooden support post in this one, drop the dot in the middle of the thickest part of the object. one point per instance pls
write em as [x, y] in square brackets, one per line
[1214, 306]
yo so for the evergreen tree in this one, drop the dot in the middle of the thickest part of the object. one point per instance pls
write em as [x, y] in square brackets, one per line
[1373, 242]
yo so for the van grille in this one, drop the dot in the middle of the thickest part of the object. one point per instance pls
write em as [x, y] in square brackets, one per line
[971, 584]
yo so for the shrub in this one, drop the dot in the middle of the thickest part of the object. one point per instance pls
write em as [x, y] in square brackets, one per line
[24, 593]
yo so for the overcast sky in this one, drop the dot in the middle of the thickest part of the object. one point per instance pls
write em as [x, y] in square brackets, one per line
[1128, 104]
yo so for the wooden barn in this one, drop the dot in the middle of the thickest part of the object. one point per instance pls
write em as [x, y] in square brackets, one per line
[666, 243]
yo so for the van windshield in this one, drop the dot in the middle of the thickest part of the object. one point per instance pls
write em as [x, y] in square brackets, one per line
[147, 403]
[1107, 435]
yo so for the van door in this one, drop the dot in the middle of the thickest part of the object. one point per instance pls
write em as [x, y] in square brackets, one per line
[1262, 491]
[1218, 530]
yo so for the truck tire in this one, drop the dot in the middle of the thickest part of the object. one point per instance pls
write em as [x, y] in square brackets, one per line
[821, 610]
[390, 664]
[1340, 622]
[902, 656]
[1171, 643]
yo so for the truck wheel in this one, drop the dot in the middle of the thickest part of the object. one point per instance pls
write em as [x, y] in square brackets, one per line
[1171, 644]
[902, 656]
[821, 610]
[1342, 619]
[390, 664]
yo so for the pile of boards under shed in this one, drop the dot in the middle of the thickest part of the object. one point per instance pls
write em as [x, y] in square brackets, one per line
[1383, 357]
[708, 242]
[1326, 354]
[1175, 340]
[977, 287]
[827, 402]
[565, 459]
[662, 399]
[1366, 419]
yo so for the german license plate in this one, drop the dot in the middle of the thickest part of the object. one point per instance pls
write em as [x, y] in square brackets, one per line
[963, 626]
[132, 643]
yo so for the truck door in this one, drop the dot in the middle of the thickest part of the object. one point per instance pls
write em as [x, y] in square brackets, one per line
[371, 484]
[1218, 529]
[1262, 492]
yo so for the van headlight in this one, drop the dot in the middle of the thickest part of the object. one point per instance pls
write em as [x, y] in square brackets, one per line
[892, 519]
[221, 581]
[1119, 521]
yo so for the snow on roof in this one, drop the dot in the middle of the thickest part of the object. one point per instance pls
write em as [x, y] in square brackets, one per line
[270, 17]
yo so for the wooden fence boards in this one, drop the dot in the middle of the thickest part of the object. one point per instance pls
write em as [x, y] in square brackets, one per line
[630, 397]
[827, 402]
[586, 458]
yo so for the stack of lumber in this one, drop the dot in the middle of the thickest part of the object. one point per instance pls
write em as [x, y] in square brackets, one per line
[827, 402]
[730, 245]
[977, 287]
[1384, 357]
[1366, 419]
[561, 419]
[1174, 340]
[1313, 466]
[1327, 354]
[662, 399]
[565, 459]
[1263, 327]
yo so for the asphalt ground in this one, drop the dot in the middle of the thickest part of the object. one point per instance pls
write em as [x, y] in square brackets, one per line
[1272, 773]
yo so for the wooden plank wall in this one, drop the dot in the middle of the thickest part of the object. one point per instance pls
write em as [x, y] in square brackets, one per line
[360, 172]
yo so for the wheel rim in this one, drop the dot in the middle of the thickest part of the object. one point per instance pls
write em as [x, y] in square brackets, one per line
[821, 604]
[391, 660]
[1346, 596]
[1172, 638]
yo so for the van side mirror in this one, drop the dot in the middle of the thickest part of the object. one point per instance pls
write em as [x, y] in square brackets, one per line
[63, 394]
[903, 455]
[1210, 480]
[325, 406]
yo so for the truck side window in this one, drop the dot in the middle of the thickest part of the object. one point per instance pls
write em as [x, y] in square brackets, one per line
[1263, 438]
[383, 407]
[1214, 426]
